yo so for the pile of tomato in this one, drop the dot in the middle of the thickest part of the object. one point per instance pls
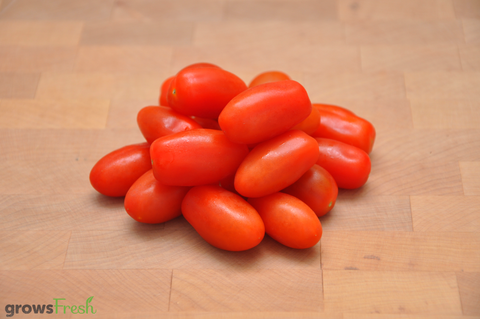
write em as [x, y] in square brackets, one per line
[238, 161]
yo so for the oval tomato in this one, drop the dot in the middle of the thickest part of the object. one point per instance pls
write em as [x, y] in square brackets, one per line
[311, 123]
[224, 219]
[316, 188]
[288, 220]
[116, 172]
[157, 121]
[164, 91]
[275, 164]
[267, 77]
[149, 201]
[195, 157]
[348, 165]
[203, 91]
[340, 124]
[265, 111]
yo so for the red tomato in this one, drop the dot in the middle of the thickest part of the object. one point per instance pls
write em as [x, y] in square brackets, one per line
[207, 123]
[114, 173]
[348, 165]
[311, 123]
[229, 183]
[267, 77]
[288, 220]
[340, 124]
[164, 91]
[316, 188]
[203, 91]
[157, 121]
[224, 219]
[195, 157]
[275, 164]
[265, 111]
[149, 201]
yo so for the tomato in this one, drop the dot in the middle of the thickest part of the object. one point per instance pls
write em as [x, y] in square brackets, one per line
[265, 111]
[195, 157]
[349, 165]
[207, 123]
[269, 76]
[114, 173]
[149, 201]
[275, 164]
[311, 123]
[343, 125]
[164, 91]
[157, 121]
[229, 183]
[224, 219]
[203, 91]
[288, 220]
[316, 188]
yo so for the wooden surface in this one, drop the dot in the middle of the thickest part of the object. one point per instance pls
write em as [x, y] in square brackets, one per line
[73, 75]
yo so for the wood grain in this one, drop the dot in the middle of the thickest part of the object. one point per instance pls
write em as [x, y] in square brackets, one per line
[18, 85]
[254, 290]
[35, 60]
[383, 213]
[391, 292]
[58, 10]
[122, 59]
[135, 247]
[40, 33]
[113, 291]
[469, 287]
[283, 10]
[445, 213]
[74, 74]
[454, 85]
[445, 113]
[351, 10]
[182, 10]
[88, 114]
[410, 57]
[471, 29]
[401, 251]
[470, 177]
[136, 33]
[99, 86]
[33, 249]
[407, 31]
[376, 85]
[469, 56]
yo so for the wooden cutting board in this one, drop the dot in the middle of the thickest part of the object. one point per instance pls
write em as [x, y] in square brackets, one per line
[74, 74]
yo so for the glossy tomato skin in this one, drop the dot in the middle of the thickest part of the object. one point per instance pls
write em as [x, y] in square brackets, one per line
[265, 111]
[341, 124]
[349, 165]
[316, 188]
[288, 220]
[148, 201]
[267, 77]
[158, 121]
[195, 157]
[203, 91]
[164, 91]
[311, 123]
[275, 164]
[224, 219]
[116, 172]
